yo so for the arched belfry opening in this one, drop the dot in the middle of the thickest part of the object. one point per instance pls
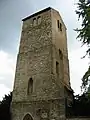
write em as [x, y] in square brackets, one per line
[30, 86]
[27, 117]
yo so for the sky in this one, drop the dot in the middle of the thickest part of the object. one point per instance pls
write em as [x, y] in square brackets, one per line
[11, 14]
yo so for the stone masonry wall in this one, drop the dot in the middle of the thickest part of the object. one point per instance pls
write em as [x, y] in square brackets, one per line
[39, 110]
[79, 118]
[37, 60]
[59, 40]
[34, 59]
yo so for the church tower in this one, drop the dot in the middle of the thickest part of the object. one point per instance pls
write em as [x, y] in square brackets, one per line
[42, 82]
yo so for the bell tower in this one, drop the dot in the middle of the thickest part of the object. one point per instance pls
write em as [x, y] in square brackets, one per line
[42, 71]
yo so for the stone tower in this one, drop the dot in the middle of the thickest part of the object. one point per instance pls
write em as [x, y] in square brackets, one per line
[42, 72]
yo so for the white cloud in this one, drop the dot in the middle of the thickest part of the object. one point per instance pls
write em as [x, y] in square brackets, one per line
[3, 91]
[78, 67]
[6, 63]
[7, 69]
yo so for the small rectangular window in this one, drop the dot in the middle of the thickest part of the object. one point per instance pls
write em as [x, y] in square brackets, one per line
[30, 86]
[60, 27]
[58, 23]
[57, 68]
[60, 54]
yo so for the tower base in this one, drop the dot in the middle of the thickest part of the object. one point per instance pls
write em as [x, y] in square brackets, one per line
[39, 110]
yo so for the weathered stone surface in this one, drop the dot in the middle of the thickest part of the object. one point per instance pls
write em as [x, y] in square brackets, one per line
[40, 46]
[50, 109]
[79, 118]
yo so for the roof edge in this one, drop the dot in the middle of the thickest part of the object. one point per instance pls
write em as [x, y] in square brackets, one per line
[41, 11]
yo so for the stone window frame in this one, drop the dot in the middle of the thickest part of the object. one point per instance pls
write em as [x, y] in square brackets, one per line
[26, 116]
[37, 21]
[57, 68]
[59, 25]
[34, 21]
[60, 54]
[30, 86]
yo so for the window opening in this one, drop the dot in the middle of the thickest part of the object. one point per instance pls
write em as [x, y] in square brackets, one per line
[39, 20]
[34, 22]
[60, 54]
[28, 117]
[30, 86]
[60, 27]
[58, 23]
[57, 68]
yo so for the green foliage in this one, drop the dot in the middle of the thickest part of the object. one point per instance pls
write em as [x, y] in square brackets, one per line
[86, 79]
[80, 106]
[5, 107]
[84, 33]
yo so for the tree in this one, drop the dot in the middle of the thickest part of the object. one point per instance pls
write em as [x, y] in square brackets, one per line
[84, 34]
[5, 113]
[80, 106]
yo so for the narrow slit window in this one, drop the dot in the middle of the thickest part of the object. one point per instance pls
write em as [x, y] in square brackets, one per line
[60, 27]
[60, 54]
[57, 68]
[39, 20]
[30, 86]
[58, 23]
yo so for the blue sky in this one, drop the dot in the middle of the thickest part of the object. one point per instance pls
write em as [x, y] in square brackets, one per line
[11, 14]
